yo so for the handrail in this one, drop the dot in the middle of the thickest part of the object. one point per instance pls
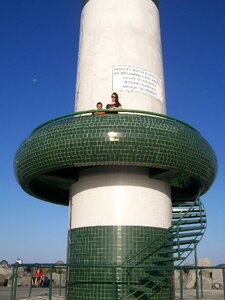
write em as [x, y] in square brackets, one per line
[163, 234]
[178, 223]
[128, 269]
[133, 111]
[119, 266]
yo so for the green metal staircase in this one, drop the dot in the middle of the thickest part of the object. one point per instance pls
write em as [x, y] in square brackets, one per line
[173, 247]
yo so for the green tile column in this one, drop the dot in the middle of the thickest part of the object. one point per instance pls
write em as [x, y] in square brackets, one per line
[104, 246]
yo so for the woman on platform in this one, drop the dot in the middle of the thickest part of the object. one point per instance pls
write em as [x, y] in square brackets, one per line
[115, 104]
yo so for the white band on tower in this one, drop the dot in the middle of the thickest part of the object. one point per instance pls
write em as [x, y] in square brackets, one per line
[120, 196]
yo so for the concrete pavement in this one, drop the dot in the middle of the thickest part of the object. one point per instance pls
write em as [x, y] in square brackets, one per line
[42, 294]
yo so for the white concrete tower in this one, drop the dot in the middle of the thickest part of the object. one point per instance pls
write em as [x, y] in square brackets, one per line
[120, 50]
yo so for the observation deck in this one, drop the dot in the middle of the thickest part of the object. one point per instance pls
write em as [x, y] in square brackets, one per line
[49, 159]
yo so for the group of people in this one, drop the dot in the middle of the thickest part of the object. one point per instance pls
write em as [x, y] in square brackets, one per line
[115, 104]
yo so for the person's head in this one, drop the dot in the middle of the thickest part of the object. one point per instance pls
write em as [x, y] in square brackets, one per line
[99, 105]
[115, 98]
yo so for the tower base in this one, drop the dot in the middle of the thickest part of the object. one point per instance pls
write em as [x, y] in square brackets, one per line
[96, 276]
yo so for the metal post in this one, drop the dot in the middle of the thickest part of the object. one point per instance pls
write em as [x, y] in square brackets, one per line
[60, 281]
[223, 282]
[50, 285]
[31, 277]
[181, 285]
[67, 282]
[15, 283]
[12, 286]
[201, 284]
[196, 273]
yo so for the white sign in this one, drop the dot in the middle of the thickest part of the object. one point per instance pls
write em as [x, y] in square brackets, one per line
[138, 80]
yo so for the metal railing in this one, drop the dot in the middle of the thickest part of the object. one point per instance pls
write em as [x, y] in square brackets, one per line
[108, 111]
[117, 275]
[154, 246]
[61, 269]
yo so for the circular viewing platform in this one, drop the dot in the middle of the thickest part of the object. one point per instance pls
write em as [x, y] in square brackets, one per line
[49, 159]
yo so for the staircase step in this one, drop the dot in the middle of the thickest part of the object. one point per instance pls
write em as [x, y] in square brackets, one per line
[188, 228]
[165, 259]
[184, 208]
[183, 222]
[184, 242]
[163, 273]
[189, 216]
[183, 212]
[185, 203]
[170, 251]
[151, 279]
[140, 291]
[152, 284]
[187, 208]
[181, 196]
[184, 235]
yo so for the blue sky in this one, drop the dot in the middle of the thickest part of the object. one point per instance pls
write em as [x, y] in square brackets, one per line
[38, 55]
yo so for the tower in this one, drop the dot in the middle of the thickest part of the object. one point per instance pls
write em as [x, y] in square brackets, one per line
[120, 173]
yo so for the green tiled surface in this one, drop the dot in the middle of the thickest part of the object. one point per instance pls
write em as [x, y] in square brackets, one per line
[110, 245]
[44, 161]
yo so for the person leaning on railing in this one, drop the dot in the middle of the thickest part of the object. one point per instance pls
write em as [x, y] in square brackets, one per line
[99, 108]
[115, 104]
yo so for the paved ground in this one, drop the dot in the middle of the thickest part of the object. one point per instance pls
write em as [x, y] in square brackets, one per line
[42, 294]
[37, 294]
[209, 295]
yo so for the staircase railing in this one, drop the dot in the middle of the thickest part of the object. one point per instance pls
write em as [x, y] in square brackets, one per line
[167, 248]
[155, 244]
[196, 232]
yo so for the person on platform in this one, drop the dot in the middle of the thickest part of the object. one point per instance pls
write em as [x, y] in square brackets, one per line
[37, 277]
[115, 104]
[99, 108]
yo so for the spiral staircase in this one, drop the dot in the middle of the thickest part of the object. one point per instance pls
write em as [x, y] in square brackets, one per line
[173, 247]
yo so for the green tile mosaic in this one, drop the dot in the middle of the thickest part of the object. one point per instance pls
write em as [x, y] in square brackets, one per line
[108, 246]
[47, 158]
